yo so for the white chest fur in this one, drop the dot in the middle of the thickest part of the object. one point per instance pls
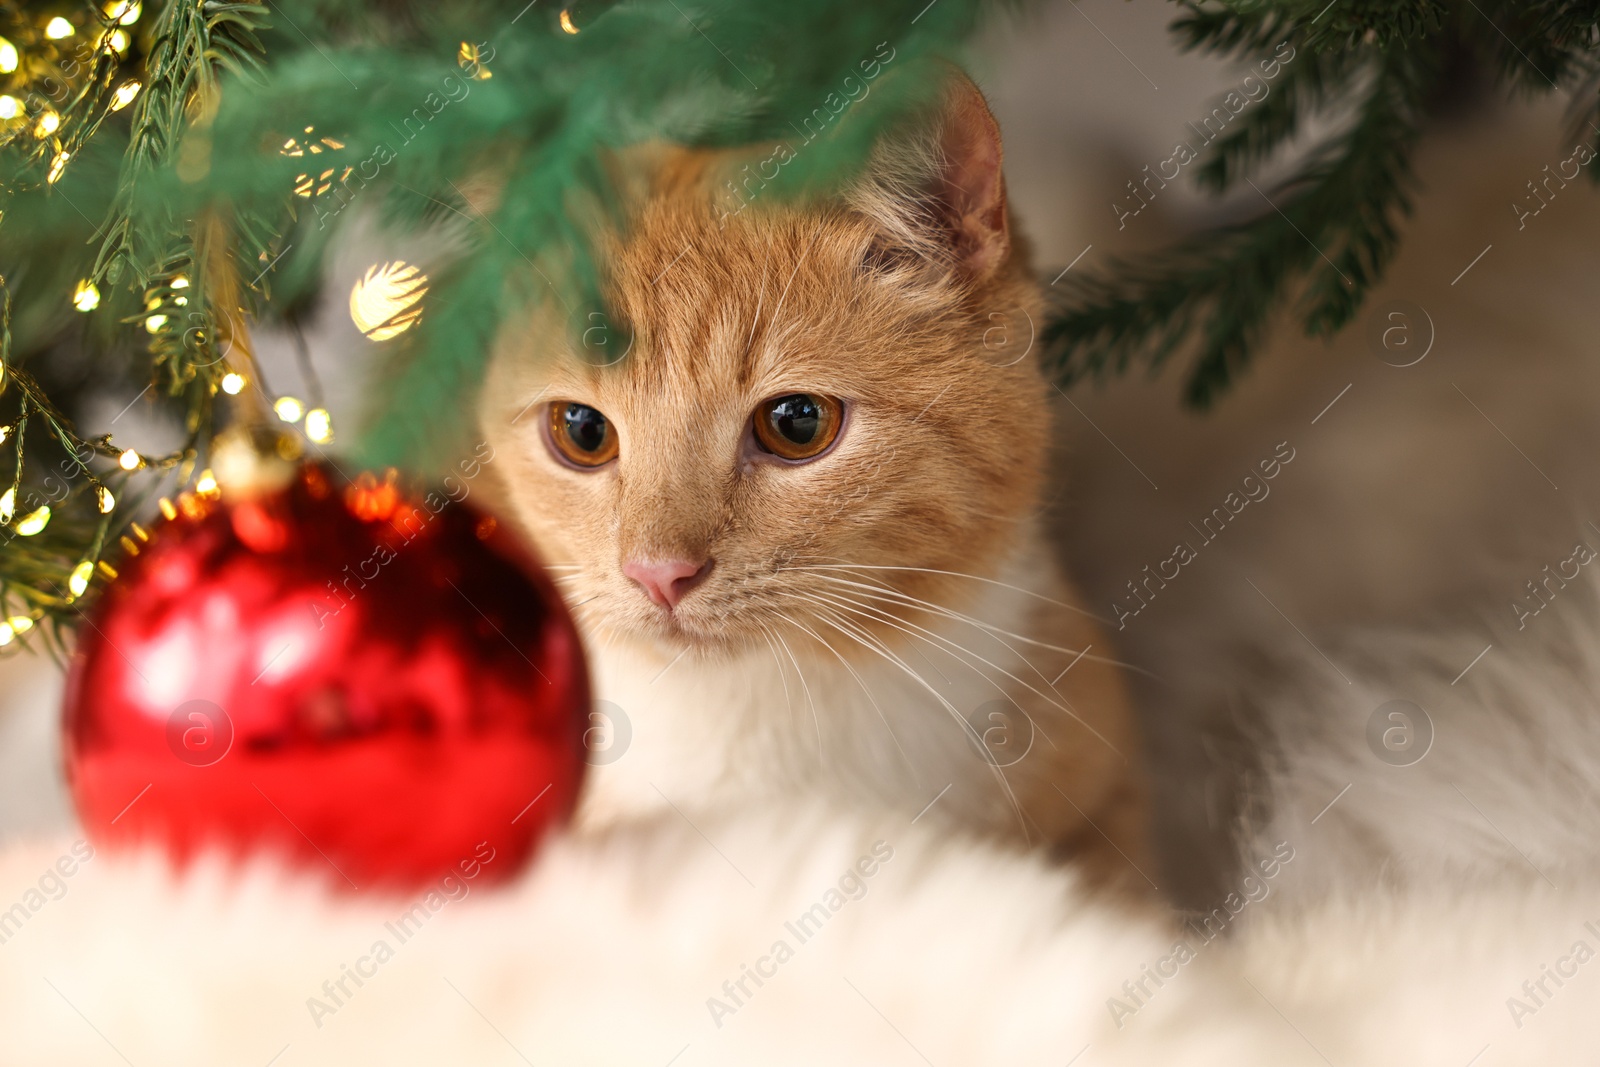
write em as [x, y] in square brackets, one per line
[896, 726]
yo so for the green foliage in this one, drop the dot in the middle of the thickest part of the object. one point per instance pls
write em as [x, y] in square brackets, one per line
[261, 128]
[204, 210]
[1323, 238]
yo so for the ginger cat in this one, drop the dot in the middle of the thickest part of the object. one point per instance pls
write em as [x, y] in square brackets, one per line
[797, 521]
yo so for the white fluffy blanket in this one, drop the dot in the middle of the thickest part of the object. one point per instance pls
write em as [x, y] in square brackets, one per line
[770, 939]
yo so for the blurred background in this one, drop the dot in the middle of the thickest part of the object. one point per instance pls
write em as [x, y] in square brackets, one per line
[1422, 496]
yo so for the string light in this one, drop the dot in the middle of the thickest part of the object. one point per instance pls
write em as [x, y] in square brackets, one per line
[207, 486]
[12, 627]
[179, 281]
[125, 12]
[387, 300]
[9, 59]
[49, 122]
[468, 57]
[129, 460]
[107, 501]
[566, 22]
[233, 383]
[289, 409]
[57, 28]
[34, 521]
[10, 107]
[79, 581]
[86, 297]
[125, 94]
[319, 425]
[57, 166]
[117, 41]
[8, 505]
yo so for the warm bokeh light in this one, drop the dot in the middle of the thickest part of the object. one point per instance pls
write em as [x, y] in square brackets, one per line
[34, 522]
[86, 296]
[124, 95]
[387, 300]
[79, 581]
[319, 425]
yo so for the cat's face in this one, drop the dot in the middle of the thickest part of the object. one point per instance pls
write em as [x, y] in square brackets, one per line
[802, 390]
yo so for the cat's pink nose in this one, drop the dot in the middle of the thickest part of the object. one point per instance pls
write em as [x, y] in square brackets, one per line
[666, 581]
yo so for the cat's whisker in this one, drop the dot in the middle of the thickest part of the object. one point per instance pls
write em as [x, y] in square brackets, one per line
[866, 689]
[772, 323]
[961, 651]
[800, 674]
[878, 647]
[958, 616]
[952, 574]
[761, 298]
[783, 676]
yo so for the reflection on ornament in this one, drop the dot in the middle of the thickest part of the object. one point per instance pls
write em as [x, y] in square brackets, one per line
[79, 581]
[293, 147]
[10, 107]
[34, 521]
[124, 95]
[307, 186]
[129, 460]
[371, 500]
[566, 22]
[387, 301]
[319, 425]
[289, 409]
[57, 28]
[105, 499]
[233, 383]
[86, 297]
[8, 57]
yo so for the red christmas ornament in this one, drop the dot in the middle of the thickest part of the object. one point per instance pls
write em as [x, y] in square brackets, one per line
[366, 682]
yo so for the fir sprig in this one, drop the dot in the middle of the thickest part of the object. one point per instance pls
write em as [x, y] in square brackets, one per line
[209, 222]
[1324, 238]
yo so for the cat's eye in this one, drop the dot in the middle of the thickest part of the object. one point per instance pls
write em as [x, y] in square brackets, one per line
[797, 426]
[582, 435]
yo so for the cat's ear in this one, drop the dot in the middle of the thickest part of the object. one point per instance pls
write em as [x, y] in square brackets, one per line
[938, 191]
